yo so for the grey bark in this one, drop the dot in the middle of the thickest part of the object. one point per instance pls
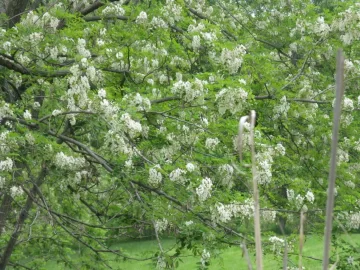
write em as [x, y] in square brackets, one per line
[21, 220]
[13, 9]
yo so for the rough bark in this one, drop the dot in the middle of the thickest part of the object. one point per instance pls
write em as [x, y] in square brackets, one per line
[21, 220]
[14, 9]
[4, 210]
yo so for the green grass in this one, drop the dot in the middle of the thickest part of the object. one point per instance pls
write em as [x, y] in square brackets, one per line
[228, 259]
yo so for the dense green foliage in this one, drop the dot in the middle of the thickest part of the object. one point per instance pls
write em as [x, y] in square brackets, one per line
[119, 119]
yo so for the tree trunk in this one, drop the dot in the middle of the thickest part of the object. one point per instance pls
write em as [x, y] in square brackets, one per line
[13, 9]
[5, 209]
[21, 220]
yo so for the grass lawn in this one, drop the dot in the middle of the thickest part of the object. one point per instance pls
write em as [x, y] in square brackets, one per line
[229, 259]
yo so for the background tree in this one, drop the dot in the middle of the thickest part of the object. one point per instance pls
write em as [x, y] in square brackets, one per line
[119, 119]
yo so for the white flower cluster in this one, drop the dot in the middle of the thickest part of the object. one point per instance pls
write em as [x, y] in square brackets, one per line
[4, 147]
[342, 156]
[189, 223]
[268, 215]
[5, 111]
[347, 24]
[81, 48]
[30, 138]
[264, 162]
[68, 162]
[205, 258]
[161, 225]
[56, 112]
[211, 143]
[226, 173]
[298, 200]
[225, 212]
[141, 103]
[231, 99]
[79, 87]
[279, 148]
[310, 196]
[45, 21]
[16, 191]
[113, 9]
[196, 43]
[190, 91]
[350, 184]
[142, 18]
[204, 190]
[190, 167]
[133, 128]
[178, 176]
[27, 115]
[232, 59]
[81, 175]
[281, 109]
[117, 144]
[155, 177]
[109, 109]
[6, 165]
[157, 22]
[348, 104]
[77, 4]
[278, 244]
[352, 221]
[7, 46]
[172, 11]
[321, 28]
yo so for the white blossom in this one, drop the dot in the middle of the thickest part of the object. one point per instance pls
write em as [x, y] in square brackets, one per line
[282, 108]
[30, 138]
[68, 162]
[232, 100]
[155, 176]
[204, 190]
[348, 104]
[190, 167]
[196, 44]
[178, 176]
[102, 93]
[280, 149]
[133, 128]
[27, 115]
[205, 258]
[278, 244]
[113, 9]
[268, 215]
[211, 143]
[226, 172]
[350, 184]
[142, 18]
[56, 112]
[310, 196]
[232, 59]
[6, 165]
[16, 191]
[290, 194]
[161, 225]
[188, 223]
